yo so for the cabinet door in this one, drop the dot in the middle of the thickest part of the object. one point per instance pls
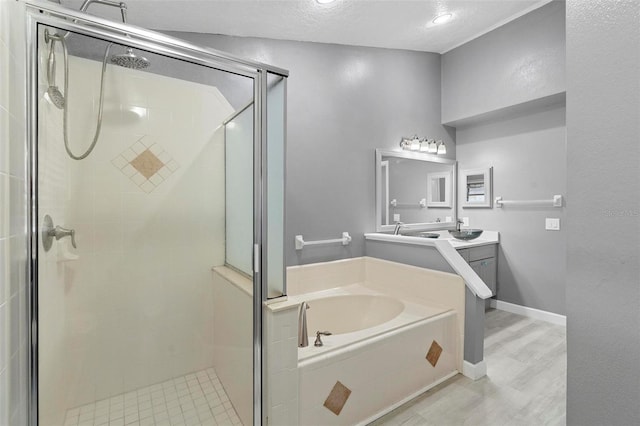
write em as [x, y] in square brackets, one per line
[486, 270]
[465, 254]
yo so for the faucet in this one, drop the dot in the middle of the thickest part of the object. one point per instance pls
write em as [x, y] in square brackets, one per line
[458, 223]
[303, 338]
[399, 225]
[318, 341]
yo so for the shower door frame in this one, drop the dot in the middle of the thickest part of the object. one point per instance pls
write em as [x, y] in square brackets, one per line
[50, 14]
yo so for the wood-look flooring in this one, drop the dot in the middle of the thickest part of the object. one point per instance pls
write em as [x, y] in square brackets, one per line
[525, 383]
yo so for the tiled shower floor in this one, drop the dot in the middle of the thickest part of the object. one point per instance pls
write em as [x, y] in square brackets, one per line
[191, 400]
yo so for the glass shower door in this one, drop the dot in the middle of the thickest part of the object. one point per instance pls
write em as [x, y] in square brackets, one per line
[135, 276]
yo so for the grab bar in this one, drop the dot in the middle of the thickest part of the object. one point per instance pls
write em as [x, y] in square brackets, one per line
[422, 203]
[301, 243]
[555, 202]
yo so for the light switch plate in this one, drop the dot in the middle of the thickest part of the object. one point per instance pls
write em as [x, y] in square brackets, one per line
[396, 217]
[447, 218]
[552, 224]
[465, 221]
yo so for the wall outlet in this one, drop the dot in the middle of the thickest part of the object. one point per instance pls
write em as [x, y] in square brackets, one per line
[447, 219]
[396, 217]
[465, 221]
[552, 224]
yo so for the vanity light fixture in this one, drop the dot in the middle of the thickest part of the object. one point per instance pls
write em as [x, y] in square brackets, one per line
[325, 1]
[426, 145]
[442, 19]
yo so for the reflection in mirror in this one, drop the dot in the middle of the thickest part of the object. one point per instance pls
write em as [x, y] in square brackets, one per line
[477, 187]
[416, 189]
[439, 189]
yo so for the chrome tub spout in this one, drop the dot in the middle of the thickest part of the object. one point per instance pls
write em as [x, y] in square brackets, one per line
[303, 337]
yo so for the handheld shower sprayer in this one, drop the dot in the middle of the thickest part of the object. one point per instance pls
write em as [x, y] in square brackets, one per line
[61, 100]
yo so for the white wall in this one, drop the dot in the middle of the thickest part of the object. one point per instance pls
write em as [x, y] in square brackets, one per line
[14, 380]
[136, 307]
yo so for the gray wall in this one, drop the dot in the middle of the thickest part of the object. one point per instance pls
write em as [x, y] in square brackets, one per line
[528, 156]
[603, 244]
[343, 102]
[518, 62]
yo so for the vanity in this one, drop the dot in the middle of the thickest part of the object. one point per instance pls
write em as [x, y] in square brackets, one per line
[416, 198]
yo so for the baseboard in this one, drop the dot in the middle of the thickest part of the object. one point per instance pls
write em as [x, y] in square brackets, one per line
[474, 371]
[529, 312]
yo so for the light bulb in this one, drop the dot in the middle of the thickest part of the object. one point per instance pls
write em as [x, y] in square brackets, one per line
[424, 145]
[415, 144]
[433, 149]
[442, 149]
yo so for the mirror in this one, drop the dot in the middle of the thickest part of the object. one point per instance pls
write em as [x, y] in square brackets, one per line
[476, 187]
[416, 189]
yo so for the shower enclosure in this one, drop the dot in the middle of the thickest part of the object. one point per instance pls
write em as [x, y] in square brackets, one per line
[152, 163]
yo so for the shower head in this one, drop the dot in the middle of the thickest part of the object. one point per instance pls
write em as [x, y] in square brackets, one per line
[53, 93]
[130, 60]
[55, 96]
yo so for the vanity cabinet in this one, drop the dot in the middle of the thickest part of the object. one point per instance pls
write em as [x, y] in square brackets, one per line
[483, 260]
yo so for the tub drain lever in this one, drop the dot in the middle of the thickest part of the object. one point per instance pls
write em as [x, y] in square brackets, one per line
[318, 341]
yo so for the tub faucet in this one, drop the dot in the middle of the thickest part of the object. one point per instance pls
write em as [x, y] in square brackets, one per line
[399, 225]
[303, 338]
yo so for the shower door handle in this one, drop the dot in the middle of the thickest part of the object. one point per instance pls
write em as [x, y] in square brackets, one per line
[49, 232]
[60, 232]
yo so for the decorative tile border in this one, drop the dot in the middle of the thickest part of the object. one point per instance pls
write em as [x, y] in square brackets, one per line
[147, 164]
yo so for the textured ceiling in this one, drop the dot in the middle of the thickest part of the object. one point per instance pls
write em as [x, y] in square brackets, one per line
[377, 23]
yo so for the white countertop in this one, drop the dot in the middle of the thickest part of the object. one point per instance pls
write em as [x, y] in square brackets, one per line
[448, 246]
[487, 237]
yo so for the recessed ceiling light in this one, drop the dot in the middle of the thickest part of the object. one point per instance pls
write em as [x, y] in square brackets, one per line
[325, 1]
[441, 19]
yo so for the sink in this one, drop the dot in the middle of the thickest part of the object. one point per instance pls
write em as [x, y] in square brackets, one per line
[466, 234]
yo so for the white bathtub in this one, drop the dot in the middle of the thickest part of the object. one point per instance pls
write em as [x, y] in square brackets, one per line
[354, 314]
[377, 350]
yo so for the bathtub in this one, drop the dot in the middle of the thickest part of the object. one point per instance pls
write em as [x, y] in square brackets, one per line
[377, 350]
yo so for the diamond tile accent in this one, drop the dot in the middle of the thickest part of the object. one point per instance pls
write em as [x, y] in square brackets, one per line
[434, 353]
[337, 398]
[146, 163]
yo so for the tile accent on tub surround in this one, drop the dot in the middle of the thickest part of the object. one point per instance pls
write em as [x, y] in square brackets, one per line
[337, 398]
[434, 353]
[146, 163]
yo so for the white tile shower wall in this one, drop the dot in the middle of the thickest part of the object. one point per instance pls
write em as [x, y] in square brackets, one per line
[136, 306]
[13, 286]
[233, 349]
[282, 365]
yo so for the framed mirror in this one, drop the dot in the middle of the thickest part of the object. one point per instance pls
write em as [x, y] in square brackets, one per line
[476, 187]
[416, 189]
